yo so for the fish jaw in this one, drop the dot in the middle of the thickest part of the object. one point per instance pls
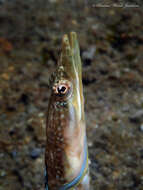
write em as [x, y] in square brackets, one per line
[70, 62]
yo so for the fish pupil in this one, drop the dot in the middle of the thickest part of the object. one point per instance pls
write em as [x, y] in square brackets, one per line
[62, 89]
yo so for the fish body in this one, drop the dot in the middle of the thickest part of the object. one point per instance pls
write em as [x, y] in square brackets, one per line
[66, 155]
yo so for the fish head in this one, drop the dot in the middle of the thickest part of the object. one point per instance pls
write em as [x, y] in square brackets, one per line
[67, 86]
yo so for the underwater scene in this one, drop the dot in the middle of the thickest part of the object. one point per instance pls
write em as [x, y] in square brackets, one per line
[71, 95]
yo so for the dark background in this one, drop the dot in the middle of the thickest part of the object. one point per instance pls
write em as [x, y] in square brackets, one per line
[111, 43]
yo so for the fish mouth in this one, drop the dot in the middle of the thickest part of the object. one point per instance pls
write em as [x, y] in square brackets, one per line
[70, 62]
[70, 56]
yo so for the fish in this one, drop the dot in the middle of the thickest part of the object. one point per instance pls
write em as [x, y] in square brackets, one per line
[66, 152]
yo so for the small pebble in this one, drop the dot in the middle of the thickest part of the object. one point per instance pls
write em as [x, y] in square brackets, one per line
[136, 117]
[41, 114]
[89, 55]
[2, 173]
[90, 144]
[141, 127]
[14, 153]
[96, 126]
[1, 155]
[35, 153]
[126, 108]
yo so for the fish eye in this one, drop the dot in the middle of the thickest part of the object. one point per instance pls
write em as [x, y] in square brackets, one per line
[62, 88]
